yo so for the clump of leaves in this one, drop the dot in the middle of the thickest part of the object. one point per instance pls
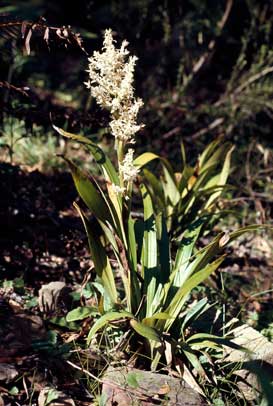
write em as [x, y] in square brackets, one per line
[145, 279]
[194, 191]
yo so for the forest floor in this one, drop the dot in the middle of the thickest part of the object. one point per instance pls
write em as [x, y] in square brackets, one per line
[42, 240]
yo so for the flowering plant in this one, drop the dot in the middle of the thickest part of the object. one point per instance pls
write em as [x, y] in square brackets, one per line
[157, 276]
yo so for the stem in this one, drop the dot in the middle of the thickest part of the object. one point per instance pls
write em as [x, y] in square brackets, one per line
[120, 154]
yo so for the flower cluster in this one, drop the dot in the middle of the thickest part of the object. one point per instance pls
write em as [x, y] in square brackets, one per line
[127, 168]
[111, 75]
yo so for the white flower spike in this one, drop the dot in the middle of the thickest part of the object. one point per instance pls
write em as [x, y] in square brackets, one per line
[111, 75]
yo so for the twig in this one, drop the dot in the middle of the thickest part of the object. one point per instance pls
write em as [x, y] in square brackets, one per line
[16, 89]
[253, 79]
[211, 46]
[170, 133]
[257, 202]
[216, 123]
[85, 371]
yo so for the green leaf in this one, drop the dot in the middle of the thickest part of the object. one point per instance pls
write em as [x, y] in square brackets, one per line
[144, 159]
[246, 229]
[181, 295]
[183, 156]
[100, 258]
[14, 391]
[194, 311]
[99, 155]
[135, 295]
[89, 193]
[157, 316]
[149, 253]
[132, 243]
[52, 394]
[111, 212]
[81, 313]
[195, 363]
[187, 173]
[184, 251]
[103, 399]
[105, 319]
[62, 322]
[201, 340]
[131, 379]
[208, 155]
[149, 249]
[145, 331]
[163, 248]
[155, 188]
[170, 187]
[32, 302]
[221, 178]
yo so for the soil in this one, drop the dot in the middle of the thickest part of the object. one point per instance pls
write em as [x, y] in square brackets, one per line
[42, 240]
[41, 236]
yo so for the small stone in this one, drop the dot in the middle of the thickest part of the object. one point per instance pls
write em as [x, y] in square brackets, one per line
[7, 372]
[260, 355]
[129, 386]
[50, 295]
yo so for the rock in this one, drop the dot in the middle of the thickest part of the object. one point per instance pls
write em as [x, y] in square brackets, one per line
[254, 341]
[50, 295]
[7, 372]
[129, 386]
[259, 359]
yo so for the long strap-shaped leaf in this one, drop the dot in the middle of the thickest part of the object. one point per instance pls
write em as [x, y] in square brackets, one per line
[105, 319]
[95, 199]
[90, 194]
[145, 331]
[149, 252]
[180, 297]
[100, 259]
[105, 165]
[221, 178]
[99, 155]
[185, 250]
[135, 293]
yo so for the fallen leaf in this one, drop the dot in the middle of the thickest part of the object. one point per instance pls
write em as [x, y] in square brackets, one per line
[164, 389]
[53, 397]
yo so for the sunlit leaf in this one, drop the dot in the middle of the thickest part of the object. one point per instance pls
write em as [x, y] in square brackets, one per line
[145, 158]
[99, 155]
[195, 311]
[100, 258]
[149, 251]
[89, 193]
[105, 319]
[145, 331]
[181, 295]
[81, 313]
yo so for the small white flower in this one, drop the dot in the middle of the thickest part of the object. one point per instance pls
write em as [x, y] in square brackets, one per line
[111, 75]
[127, 168]
[117, 189]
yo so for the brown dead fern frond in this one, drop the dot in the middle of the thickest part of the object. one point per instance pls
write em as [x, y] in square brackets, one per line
[14, 30]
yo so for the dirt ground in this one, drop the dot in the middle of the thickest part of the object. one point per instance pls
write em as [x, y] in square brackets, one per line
[42, 240]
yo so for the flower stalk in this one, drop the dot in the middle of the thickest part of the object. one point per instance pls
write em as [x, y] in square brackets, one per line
[111, 75]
